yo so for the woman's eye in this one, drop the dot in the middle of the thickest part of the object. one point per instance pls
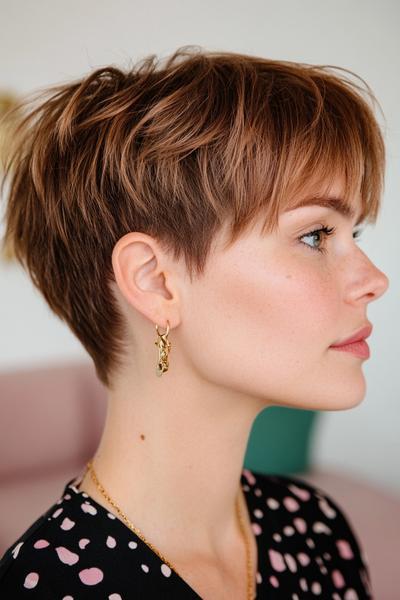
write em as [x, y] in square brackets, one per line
[320, 234]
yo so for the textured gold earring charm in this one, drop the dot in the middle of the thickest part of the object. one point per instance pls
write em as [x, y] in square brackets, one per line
[164, 346]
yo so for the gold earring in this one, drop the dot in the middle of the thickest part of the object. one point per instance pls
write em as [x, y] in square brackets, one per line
[164, 346]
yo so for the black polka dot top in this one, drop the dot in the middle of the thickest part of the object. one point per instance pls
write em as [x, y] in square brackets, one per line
[78, 550]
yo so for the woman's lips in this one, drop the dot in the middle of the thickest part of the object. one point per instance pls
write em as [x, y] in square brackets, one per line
[361, 334]
[359, 348]
[356, 343]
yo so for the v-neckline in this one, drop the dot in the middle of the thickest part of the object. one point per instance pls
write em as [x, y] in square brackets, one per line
[247, 489]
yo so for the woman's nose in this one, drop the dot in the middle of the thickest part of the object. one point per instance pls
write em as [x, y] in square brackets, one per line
[382, 283]
[376, 282]
[368, 283]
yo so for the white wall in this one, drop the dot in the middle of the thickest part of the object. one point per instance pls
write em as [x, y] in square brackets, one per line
[46, 41]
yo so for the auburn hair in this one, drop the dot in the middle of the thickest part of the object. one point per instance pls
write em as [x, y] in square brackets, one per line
[175, 148]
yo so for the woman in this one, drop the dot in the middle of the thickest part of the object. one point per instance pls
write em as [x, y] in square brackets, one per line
[210, 201]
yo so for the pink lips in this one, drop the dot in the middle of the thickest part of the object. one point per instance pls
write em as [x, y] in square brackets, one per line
[356, 343]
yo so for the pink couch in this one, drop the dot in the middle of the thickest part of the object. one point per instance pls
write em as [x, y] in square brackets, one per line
[51, 421]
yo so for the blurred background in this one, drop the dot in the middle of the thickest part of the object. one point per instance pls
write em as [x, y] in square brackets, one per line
[354, 453]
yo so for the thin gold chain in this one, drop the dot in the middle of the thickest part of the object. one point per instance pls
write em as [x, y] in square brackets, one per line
[250, 586]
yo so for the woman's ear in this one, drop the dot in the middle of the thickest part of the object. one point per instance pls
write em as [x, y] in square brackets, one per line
[144, 277]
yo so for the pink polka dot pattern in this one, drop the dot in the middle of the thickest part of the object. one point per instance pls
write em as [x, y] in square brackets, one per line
[31, 580]
[66, 556]
[41, 544]
[80, 550]
[91, 576]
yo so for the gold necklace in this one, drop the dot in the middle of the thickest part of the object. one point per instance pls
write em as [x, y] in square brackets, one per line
[250, 589]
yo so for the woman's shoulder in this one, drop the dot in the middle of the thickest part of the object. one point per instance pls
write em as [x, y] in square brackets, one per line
[27, 558]
[297, 495]
[78, 549]
[305, 522]
[67, 552]
[292, 495]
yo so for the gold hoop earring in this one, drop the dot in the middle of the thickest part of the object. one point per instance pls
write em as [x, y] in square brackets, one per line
[164, 346]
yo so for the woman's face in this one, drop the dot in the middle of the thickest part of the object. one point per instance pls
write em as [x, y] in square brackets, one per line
[261, 320]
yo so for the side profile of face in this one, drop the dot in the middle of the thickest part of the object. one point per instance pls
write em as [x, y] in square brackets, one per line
[262, 319]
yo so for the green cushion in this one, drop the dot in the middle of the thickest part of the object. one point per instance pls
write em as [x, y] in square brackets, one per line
[279, 441]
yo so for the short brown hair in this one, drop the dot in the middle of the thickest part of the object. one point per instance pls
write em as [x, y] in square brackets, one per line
[174, 148]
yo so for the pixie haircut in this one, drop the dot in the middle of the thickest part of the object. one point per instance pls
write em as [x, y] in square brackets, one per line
[175, 148]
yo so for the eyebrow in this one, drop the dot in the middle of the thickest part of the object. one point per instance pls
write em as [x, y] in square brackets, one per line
[333, 202]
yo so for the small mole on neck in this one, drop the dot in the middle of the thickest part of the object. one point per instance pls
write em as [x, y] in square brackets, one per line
[142, 436]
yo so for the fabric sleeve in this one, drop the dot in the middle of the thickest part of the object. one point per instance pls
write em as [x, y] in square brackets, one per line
[21, 579]
[348, 554]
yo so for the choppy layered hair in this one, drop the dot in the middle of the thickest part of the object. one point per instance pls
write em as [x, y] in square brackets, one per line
[176, 148]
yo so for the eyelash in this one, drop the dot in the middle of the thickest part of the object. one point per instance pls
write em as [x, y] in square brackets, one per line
[327, 231]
